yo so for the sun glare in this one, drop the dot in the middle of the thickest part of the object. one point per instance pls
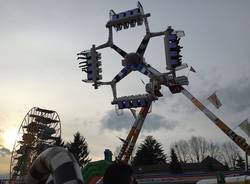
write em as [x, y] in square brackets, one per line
[10, 136]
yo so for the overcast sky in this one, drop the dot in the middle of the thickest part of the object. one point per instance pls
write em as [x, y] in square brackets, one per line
[39, 41]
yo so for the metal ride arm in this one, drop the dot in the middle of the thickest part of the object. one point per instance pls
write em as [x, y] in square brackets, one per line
[132, 137]
[240, 141]
[141, 117]
[129, 143]
[118, 50]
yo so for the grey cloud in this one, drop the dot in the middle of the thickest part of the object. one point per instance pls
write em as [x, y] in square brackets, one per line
[153, 122]
[191, 130]
[4, 151]
[114, 122]
[177, 104]
[236, 95]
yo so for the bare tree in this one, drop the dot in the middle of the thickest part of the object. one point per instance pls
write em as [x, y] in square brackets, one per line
[193, 150]
[213, 150]
[230, 153]
[203, 147]
[193, 142]
[176, 147]
[185, 151]
[182, 150]
[198, 146]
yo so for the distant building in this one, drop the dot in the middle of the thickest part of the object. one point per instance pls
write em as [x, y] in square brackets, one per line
[207, 165]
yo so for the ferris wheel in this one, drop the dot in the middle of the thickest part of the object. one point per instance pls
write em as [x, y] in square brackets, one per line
[40, 129]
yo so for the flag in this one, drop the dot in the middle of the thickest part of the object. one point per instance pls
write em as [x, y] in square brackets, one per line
[121, 139]
[142, 81]
[214, 100]
[192, 69]
[245, 126]
[133, 112]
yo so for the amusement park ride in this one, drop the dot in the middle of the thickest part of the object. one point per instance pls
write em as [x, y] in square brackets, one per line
[39, 130]
[135, 61]
[41, 127]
